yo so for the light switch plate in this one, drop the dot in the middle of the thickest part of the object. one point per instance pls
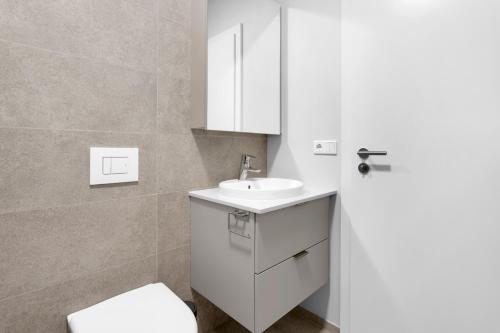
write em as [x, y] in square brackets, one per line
[113, 165]
[325, 147]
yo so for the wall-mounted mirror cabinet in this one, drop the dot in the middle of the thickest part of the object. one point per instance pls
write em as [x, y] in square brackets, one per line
[236, 66]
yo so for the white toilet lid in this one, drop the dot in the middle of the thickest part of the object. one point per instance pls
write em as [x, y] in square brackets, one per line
[150, 309]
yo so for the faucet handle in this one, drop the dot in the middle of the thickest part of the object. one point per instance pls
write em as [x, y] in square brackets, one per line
[245, 158]
[245, 166]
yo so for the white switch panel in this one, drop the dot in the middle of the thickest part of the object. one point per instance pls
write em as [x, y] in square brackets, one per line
[113, 165]
[325, 147]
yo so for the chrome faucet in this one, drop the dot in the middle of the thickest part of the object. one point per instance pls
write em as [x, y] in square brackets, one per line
[245, 167]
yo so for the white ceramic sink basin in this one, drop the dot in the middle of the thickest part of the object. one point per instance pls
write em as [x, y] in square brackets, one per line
[262, 188]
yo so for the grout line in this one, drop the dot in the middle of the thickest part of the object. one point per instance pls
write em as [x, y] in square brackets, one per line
[108, 268]
[79, 204]
[157, 139]
[149, 133]
[171, 20]
[102, 61]
[183, 192]
[229, 136]
[188, 246]
[75, 130]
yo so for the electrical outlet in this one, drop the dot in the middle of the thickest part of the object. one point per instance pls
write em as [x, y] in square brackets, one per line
[325, 147]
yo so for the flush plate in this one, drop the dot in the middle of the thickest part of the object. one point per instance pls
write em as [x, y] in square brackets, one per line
[113, 165]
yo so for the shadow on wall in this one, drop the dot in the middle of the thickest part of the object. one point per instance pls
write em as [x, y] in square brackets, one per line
[320, 301]
[311, 111]
[279, 148]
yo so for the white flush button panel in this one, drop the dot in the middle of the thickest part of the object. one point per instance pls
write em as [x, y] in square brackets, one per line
[113, 165]
[325, 147]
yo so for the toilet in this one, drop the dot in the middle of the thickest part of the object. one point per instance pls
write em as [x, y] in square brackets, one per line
[150, 309]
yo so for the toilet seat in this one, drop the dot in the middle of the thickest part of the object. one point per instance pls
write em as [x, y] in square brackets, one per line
[150, 309]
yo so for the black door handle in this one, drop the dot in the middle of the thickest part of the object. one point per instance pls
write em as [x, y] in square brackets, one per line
[365, 153]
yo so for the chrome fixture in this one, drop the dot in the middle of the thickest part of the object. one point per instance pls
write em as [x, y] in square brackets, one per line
[239, 215]
[245, 167]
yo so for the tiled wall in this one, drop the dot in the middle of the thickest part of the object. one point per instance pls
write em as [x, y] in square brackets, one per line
[75, 74]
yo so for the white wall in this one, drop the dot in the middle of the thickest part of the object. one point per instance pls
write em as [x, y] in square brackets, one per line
[311, 110]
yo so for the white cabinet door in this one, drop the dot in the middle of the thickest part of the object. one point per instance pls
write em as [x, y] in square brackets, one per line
[243, 85]
[222, 260]
[224, 80]
[262, 77]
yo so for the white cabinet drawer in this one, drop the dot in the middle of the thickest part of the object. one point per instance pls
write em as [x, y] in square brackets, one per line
[283, 233]
[282, 287]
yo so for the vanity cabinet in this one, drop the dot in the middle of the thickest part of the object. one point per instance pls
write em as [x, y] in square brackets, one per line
[257, 267]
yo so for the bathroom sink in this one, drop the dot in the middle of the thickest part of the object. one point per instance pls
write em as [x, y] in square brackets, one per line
[262, 188]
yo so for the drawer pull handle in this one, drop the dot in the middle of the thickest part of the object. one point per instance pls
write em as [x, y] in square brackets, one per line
[301, 254]
[238, 215]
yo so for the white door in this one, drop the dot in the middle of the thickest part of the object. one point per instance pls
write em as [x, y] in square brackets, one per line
[421, 231]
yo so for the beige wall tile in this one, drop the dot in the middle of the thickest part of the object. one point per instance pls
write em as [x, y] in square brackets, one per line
[44, 168]
[173, 104]
[174, 271]
[205, 160]
[45, 311]
[173, 79]
[174, 228]
[43, 89]
[176, 10]
[50, 246]
[174, 48]
[151, 5]
[219, 157]
[119, 31]
[179, 164]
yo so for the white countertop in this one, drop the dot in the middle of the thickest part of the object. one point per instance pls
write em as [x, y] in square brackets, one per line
[261, 206]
